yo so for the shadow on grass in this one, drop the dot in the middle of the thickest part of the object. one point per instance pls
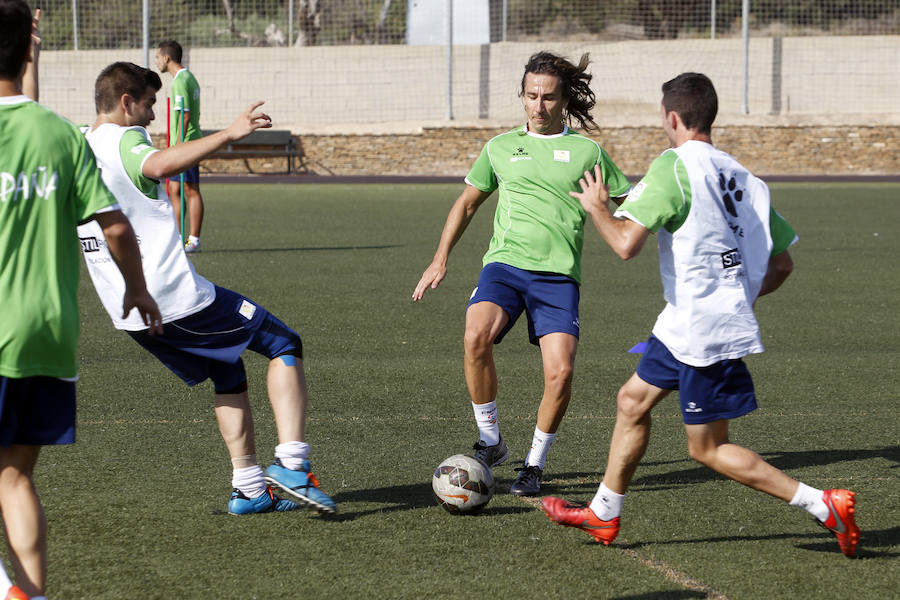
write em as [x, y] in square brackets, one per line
[666, 595]
[300, 249]
[588, 481]
[403, 497]
[781, 460]
[869, 541]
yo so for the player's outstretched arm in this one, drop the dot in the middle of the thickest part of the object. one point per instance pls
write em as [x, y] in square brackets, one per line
[624, 236]
[176, 159]
[460, 215]
[123, 247]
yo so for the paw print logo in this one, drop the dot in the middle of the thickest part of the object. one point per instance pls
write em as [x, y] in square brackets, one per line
[730, 195]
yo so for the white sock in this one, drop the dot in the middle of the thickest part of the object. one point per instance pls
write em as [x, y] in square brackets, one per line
[540, 446]
[810, 500]
[486, 419]
[607, 504]
[194, 238]
[5, 583]
[249, 481]
[292, 454]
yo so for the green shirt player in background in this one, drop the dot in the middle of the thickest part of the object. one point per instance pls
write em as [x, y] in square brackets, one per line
[186, 94]
[533, 263]
[49, 183]
[721, 247]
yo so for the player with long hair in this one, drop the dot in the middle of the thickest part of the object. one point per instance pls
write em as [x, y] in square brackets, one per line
[533, 263]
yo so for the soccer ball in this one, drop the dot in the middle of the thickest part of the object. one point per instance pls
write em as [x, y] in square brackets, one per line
[462, 484]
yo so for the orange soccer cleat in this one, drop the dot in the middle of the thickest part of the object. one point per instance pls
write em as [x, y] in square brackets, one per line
[16, 593]
[841, 508]
[582, 517]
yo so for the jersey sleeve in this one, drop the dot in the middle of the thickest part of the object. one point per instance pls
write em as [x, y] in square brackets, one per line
[783, 235]
[613, 177]
[134, 149]
[482, 175]
[91, 194]
[662, 198]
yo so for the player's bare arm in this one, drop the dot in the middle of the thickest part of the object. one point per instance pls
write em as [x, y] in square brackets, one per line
[175, 159]
[624, 236]
[460, 215]
[30, 77]
[123, 247]
[780, 267]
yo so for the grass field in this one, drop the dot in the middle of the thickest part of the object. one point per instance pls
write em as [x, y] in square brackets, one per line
[137, 507]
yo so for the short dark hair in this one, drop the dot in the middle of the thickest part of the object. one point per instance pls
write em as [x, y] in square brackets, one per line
[693, 97]
[575, 84]
[15, 37]
[122, 78]
[172, 49]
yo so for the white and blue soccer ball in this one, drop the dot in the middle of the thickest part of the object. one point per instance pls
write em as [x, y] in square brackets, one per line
[463, 484]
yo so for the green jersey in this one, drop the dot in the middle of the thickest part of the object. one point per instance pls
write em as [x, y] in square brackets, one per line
[49, 182]
[134, 148]
[538, 226]
[186, 93]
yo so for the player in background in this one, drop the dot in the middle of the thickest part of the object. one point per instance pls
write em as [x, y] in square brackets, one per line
[533, 263]
[206, 327]
[721, 246]
[49, 182]
[186, 91]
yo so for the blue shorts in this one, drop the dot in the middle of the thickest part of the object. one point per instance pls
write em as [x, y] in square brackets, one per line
[209, 343]
[37, 411]
[723, 390]
[192, 175]
[550, 300]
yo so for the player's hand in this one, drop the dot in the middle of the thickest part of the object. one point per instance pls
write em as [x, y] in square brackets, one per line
[35, 35]
[146, 307]
[594, 195]
[431, 278]
[249, 121]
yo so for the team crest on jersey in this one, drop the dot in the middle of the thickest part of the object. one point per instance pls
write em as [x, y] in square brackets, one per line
[561, 156]
[520, 154]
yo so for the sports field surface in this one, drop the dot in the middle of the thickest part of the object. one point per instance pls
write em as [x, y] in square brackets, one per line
[136, 508]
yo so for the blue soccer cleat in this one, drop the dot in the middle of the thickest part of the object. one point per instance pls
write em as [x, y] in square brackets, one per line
[301, 484]
[267, 502]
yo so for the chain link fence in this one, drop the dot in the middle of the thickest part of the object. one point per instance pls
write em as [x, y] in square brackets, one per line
[351, 63]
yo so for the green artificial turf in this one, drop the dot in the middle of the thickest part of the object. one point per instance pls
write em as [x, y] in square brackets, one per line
[136, 507]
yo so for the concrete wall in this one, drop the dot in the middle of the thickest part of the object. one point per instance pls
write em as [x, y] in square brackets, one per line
[818, 105]
[401, 89]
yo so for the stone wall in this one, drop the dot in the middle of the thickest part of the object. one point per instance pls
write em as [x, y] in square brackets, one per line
[788, 150]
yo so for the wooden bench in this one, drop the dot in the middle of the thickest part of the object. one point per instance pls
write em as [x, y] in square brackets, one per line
[260, 143]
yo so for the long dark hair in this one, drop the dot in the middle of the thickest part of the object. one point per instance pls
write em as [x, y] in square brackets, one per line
[575, 85]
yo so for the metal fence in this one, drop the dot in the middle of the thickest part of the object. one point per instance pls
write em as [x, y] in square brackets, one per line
[371, 61]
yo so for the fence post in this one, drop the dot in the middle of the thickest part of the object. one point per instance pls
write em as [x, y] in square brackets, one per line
[146, 17]
[75, 22]
[290, 23]
[745, 34]
[449, 60]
